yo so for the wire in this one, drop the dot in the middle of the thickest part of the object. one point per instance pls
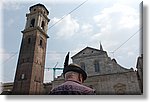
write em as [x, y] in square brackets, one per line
[67, 14]
[10, 58]
[127, 40]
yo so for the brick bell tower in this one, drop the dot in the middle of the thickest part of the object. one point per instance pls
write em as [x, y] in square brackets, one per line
[31, 62]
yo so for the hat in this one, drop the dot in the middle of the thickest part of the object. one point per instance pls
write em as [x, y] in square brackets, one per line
[75, 68]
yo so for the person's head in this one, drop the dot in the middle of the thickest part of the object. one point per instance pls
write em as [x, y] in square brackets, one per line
[75, 72]
[73, 76]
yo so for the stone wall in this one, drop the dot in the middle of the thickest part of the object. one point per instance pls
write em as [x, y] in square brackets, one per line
[118, 83]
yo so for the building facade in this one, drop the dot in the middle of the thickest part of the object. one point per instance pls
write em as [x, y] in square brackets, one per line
[105, 75]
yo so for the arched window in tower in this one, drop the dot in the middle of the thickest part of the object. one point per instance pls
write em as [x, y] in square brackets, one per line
[32, 22]
[22, 76]
[29, 40]
[82, 64]
[42, 25]
[40, 42]
[96, 66]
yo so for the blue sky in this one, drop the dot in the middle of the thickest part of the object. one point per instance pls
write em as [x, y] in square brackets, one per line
[110, 22]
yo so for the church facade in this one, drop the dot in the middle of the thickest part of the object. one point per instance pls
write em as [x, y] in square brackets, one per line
[105, 75]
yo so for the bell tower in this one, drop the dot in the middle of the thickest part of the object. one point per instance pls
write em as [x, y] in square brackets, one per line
[31, 62]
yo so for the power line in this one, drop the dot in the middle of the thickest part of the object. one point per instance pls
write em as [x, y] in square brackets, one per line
[127, 40]
[10, 58]
[67, 14]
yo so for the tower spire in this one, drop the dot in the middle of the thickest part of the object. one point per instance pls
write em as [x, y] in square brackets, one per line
[101, 48]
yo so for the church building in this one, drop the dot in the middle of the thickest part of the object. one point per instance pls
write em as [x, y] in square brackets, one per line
[105, 75]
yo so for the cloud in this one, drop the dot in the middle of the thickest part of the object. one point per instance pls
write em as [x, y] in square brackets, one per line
[53, 56]
[114, 20]
[11, 5]
[121, 15]
[66, 28]
[86, 29]
[10, 22]
[131, 53]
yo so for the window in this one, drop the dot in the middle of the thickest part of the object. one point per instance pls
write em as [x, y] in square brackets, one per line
[83, 66]
[29, 40]
[35, 78]
[32, 23]
[96, 65]
[42, 25]
[40, 42]
[120, 88]
[22, 77]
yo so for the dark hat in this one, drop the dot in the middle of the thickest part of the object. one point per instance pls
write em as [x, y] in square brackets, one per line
[75, 68]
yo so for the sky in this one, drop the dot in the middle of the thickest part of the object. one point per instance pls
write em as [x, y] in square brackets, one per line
[111, 22]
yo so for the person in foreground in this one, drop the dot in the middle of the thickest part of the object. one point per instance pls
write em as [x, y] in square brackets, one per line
[74, 77]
